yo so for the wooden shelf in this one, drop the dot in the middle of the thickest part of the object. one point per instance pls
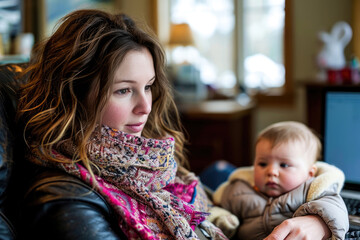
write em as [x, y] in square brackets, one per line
[219, 129]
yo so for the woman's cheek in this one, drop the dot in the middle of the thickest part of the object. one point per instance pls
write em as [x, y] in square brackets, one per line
[115, 115]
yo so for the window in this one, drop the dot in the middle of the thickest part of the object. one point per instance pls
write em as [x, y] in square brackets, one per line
[10, 24]
[240, 42]
[263, 30]
[212, 23]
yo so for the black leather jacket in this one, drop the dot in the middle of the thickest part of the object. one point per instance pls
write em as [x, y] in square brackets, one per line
[59, 206]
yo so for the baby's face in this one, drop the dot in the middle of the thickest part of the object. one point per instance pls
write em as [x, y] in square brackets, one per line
[282, 168]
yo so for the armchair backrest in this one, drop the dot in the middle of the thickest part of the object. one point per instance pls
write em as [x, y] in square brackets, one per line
[9, 85]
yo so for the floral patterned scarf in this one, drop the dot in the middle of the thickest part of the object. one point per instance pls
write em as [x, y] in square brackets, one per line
[137, 177]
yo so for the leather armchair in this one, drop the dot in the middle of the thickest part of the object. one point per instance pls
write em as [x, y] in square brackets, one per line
[9, 84]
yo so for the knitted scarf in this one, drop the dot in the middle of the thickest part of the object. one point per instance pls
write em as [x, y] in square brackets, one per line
[137, 177]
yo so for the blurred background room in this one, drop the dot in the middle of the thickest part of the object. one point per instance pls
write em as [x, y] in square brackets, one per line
[236, 65]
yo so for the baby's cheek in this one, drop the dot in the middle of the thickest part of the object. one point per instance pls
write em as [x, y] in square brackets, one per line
[259, 180]
[291, 182]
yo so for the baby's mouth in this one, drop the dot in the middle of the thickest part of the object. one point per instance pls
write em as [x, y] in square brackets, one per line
[272, 184]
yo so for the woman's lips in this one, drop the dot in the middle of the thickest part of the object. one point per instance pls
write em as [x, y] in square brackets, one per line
[135, 128]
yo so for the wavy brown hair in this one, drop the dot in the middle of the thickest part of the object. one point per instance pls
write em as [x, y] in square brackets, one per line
[78, 60]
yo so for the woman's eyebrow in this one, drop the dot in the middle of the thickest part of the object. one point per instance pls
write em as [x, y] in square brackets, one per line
[131, 81]
[124, 80]
[152, 79]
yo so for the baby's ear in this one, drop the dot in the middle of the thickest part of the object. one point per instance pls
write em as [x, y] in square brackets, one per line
[312, 170]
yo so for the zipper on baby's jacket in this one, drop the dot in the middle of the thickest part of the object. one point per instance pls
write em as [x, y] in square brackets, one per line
[267, 216]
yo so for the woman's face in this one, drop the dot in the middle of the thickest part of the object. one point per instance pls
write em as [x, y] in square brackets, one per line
[130, 102]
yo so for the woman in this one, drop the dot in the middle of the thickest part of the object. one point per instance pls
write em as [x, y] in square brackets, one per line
[98, 106]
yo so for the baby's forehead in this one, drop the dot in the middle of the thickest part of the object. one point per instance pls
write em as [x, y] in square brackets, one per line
[289, 147]
[283, 142]
[298, 145]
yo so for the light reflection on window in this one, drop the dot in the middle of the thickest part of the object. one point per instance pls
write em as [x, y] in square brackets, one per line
[263, 43]
[10, 23]
[212, 23]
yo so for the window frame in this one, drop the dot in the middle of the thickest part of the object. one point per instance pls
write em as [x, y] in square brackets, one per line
[283, 96]
[286, 97]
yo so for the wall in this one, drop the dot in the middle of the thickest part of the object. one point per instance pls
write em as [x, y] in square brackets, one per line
[356, 26]
[310, 17]
[142, 11]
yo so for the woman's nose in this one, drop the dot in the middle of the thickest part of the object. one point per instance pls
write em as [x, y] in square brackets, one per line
[143, 104]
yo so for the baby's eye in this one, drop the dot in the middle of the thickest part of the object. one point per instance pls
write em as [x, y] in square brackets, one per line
[284, 165]
[262, 164]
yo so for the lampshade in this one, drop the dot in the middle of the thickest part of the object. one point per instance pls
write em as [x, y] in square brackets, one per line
[180, 34]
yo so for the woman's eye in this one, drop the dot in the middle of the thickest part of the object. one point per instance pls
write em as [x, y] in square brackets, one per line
[148, 87]
[123, 91]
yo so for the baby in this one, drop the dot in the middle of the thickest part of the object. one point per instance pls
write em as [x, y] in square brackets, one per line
[284, 182]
